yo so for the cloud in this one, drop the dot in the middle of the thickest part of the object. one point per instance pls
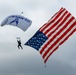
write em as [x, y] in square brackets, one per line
[14, 61]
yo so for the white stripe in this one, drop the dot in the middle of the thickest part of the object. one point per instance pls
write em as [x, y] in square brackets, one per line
[56, 25]
[43, 27]
[57, 36]
[59, 42]
[54, 22]
[50, 20]
[54, 33]
[56, 14]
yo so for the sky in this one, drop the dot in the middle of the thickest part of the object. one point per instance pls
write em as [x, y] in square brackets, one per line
[14, 61]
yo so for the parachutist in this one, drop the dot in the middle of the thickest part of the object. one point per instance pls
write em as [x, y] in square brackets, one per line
[19, 44]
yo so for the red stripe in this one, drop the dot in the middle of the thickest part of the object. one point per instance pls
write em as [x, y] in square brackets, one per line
[60, 44]
[57, 39]
[50, 19]
[54, 35]
[42, 26]
[56, 13]
[56, 22]
[59, 13]
[65, 33]
[68, 35]
[60, 24]
[50, 54]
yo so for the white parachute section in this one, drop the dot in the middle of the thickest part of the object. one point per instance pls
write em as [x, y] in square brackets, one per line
[18, 21]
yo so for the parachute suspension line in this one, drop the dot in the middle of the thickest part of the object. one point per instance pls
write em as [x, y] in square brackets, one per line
[20, 36]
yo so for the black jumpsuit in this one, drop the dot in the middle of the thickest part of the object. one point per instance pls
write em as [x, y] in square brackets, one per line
[19, 44]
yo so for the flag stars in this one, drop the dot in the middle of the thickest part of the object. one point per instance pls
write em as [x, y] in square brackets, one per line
[37, 40]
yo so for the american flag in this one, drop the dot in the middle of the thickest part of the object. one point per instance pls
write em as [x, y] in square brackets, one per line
[53, 33]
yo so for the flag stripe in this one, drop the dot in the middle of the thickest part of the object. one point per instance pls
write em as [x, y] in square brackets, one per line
[46, 58]
[58, 39]
[63, 24]
[58, 25]
[53, 36]
[55, 14]
[53, 39]
[43, 26]
[53, 33]
[51, 21]
[55, 23]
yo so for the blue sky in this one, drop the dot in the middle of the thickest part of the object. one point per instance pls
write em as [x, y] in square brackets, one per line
[28, 61]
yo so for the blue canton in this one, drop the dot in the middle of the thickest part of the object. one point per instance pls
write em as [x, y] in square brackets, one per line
[37, 40]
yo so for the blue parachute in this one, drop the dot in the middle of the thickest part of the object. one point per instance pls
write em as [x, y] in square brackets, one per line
[18, 21]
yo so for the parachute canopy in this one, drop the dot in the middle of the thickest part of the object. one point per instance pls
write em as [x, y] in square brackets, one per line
[17, 20]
